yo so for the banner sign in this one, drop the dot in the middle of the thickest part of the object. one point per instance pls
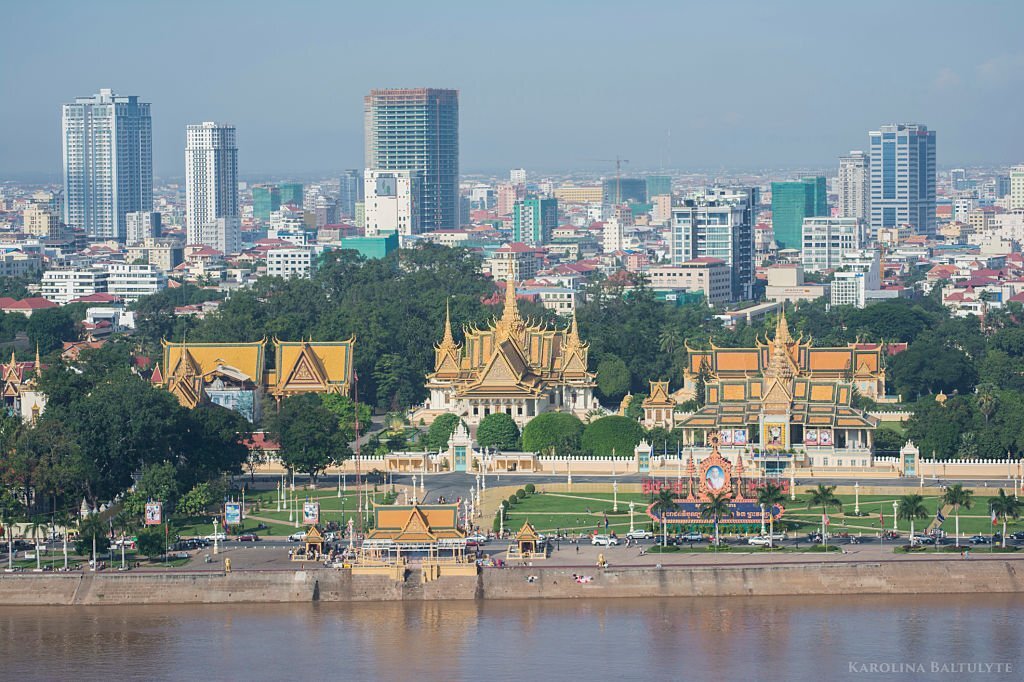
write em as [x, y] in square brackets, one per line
[311, 513]
[232, 513]
[154, 514]
[739, 512]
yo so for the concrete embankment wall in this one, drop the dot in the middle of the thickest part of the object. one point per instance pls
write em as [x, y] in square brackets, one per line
[831, 578]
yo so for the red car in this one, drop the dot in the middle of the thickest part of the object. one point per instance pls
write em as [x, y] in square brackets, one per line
[249, 537]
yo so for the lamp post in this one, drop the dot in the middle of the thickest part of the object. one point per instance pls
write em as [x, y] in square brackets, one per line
[568, 473]
[215, 535]
[501, 520]
[792, 480]
[279, 495]
[339, 480]
[632, 506]
[895, 508]
[615, 495]
[856, 498]
[762, 520]
[414, 488]
[295, 502]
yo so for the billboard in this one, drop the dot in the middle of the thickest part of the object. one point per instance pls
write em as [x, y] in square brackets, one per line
[311, 513]
[232, 513]
[739, 512]
[154, 514]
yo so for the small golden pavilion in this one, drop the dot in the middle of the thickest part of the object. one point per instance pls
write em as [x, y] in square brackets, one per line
[514, 366]
[236, 376]
[783, 395]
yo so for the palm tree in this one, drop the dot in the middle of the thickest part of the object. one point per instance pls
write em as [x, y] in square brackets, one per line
[823, 496]
[960, 498]
[768, 496]
[669, 339]
[665, 502]
[911, 507]
[7, 518]
[124, 523]
[1003, 506]
[37, 530]
[986, 401]
[715, 508]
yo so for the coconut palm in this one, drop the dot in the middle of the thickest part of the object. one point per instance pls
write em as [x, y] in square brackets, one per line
[37, 530]
[823, 496]
[986, 401]
[7, 518]
[664, 502]
[1002, 506]
[911, 507]
[715, 508]
[959, 498]
[670, 339]
[768, 496]
[124, 523]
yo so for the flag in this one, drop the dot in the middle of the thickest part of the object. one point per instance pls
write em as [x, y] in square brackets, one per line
[824, 519]
[881, 519]
[939, 516]
[995, 521]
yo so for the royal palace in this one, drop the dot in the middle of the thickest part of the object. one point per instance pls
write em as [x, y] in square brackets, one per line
[514, 366]
[238, 375]
[783, 401]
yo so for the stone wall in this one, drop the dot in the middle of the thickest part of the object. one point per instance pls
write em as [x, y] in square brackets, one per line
[909, 576]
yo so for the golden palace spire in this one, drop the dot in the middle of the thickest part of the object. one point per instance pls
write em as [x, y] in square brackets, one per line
[448, 340]
[510, 324]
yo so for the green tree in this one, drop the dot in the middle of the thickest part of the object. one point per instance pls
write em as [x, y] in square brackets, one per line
[701, 383]
[612, 434]
[50, 328]
[960, 498]
[635, 409]
[397, 385]
[92, 532]
[613, 379]
[151, 541]
[1004, 506]
[670, 339]
[197, 500]
[552, 429]
[716, 507]
[823, 497]
[344, 408]
[498, 430]
[987, 401]
[768, 496]
[888, 440]
[308, 434]
[909, 508]
[441, 430]
[159, 483]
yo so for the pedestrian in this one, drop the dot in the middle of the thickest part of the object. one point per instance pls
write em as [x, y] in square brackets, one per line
[577, 549]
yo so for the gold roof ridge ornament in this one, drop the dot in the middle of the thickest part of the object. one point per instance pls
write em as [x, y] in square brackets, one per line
[511, 323]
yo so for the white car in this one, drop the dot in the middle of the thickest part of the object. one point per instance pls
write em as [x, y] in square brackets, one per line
[639, 534]
[478, 538]
[604, 540]
[219, 536]
[760, 541]
[298, 536]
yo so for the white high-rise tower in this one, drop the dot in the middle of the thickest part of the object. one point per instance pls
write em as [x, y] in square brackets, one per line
[854, 191]
[903, 177]
[211, 187]
[108, 162]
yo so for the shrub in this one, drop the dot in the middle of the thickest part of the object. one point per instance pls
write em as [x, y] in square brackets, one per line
[552, 429]
[520, 493]
[530, 488]
[512, 499]
[498, 430]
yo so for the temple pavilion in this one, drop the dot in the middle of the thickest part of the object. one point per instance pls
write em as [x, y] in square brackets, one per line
[783, 400]
[237, 376]
[513, 366]
[402, 530]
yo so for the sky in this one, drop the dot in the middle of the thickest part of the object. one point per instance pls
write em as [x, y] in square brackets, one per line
[549, 86]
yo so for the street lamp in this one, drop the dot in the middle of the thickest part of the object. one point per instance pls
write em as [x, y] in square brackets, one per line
[856, 498]
[792, 480]
[615, 495]
[632, 506]
[214, 534]
[762, 520]
[895, 508]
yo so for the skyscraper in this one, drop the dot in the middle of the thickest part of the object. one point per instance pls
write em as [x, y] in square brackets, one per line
[390, 203]
[418, 129]
[211, 187]
[1017, 187]
[717, 223]
[108, 162]
[658, 185]
[350, 192]
[903, 177]
[854, 192]
[265, 200]
[534, 220]
[791, 203]
[292, 193]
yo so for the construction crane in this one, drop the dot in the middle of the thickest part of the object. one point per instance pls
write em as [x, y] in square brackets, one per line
[618, 161]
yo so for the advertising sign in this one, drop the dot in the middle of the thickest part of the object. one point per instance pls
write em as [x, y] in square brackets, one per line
[739, 512]
[154, 514]
[232, 513]
[311, 513]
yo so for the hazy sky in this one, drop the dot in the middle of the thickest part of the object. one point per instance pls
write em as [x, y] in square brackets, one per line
[545, 85]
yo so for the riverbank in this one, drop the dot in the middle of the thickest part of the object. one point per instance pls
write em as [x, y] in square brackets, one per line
[821, 578]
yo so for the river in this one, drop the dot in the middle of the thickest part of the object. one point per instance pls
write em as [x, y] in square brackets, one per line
[785, 639]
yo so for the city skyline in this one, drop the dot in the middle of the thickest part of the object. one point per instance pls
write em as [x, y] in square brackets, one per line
[554, 102]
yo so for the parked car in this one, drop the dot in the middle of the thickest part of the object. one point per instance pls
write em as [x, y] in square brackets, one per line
[297, 536]
[1019, 535]
[922, 540]
[640, 534]
[248, 537]
[219, 536]
[692, 536]
[604, 540]
[978, 540]
[759, 541]
[478, 538]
